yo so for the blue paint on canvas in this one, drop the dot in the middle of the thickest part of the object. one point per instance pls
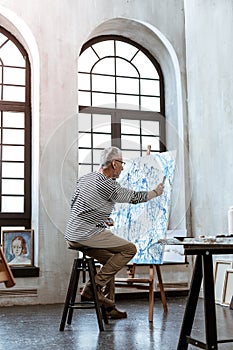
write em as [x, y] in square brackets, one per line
[145, 223]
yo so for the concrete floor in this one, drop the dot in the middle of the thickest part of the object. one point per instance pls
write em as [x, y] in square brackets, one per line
[37, 327]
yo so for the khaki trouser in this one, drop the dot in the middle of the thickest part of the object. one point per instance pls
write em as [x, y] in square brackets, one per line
[113, 253]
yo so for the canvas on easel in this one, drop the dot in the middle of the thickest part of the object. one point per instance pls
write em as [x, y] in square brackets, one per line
[145, 223]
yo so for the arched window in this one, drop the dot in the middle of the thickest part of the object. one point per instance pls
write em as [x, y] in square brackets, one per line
[121, 100]
[15, 134]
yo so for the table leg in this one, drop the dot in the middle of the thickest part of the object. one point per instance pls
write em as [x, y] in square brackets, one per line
[191, 304]
[209, 303]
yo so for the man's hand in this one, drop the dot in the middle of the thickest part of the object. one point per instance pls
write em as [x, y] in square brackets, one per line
[109, 222]
[159, 189]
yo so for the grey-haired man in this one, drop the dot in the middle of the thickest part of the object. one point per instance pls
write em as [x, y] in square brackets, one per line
[89, 226]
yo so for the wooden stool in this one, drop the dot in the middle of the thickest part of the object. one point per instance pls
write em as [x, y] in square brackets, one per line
[84, 264]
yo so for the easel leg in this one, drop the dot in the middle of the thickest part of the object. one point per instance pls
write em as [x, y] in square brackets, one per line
[163, 296]
[151, 293]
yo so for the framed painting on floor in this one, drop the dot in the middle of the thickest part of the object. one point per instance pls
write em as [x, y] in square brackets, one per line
[221, 266]
[228, 287]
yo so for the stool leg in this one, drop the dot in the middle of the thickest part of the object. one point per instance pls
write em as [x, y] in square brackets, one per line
[68, 295]
[104, 314]
[78, 267]
[91, 268]
[84, 267]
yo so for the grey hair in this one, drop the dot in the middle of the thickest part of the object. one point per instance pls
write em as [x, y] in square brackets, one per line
[109, 154]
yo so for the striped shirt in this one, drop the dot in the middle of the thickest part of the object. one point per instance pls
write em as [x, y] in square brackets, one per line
[93, 202]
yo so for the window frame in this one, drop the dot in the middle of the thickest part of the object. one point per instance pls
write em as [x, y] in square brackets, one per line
[11, 219]
[101, 38]
[118, 113]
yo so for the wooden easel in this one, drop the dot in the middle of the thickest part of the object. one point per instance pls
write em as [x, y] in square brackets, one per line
[6, 275]
[144, 283]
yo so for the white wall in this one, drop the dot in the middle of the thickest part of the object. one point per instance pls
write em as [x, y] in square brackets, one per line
[209, 47]
[52, 29]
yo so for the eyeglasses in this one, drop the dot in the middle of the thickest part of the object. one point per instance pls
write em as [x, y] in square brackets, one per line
[120, 161]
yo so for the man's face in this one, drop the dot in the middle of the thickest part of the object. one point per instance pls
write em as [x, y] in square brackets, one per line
[118, 166]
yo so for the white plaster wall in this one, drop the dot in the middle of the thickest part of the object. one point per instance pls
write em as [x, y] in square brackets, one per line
[53, 26]
[209, 47]
[59, 28]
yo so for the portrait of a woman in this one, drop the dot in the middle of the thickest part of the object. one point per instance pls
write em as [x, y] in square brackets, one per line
[19, 251]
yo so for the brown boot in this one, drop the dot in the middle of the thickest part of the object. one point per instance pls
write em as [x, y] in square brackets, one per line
[115, 314]
[87, 294]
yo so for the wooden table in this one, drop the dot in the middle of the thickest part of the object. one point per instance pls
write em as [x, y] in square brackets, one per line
[203, 270]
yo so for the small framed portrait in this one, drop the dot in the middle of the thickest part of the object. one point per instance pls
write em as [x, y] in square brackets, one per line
[18, 247]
